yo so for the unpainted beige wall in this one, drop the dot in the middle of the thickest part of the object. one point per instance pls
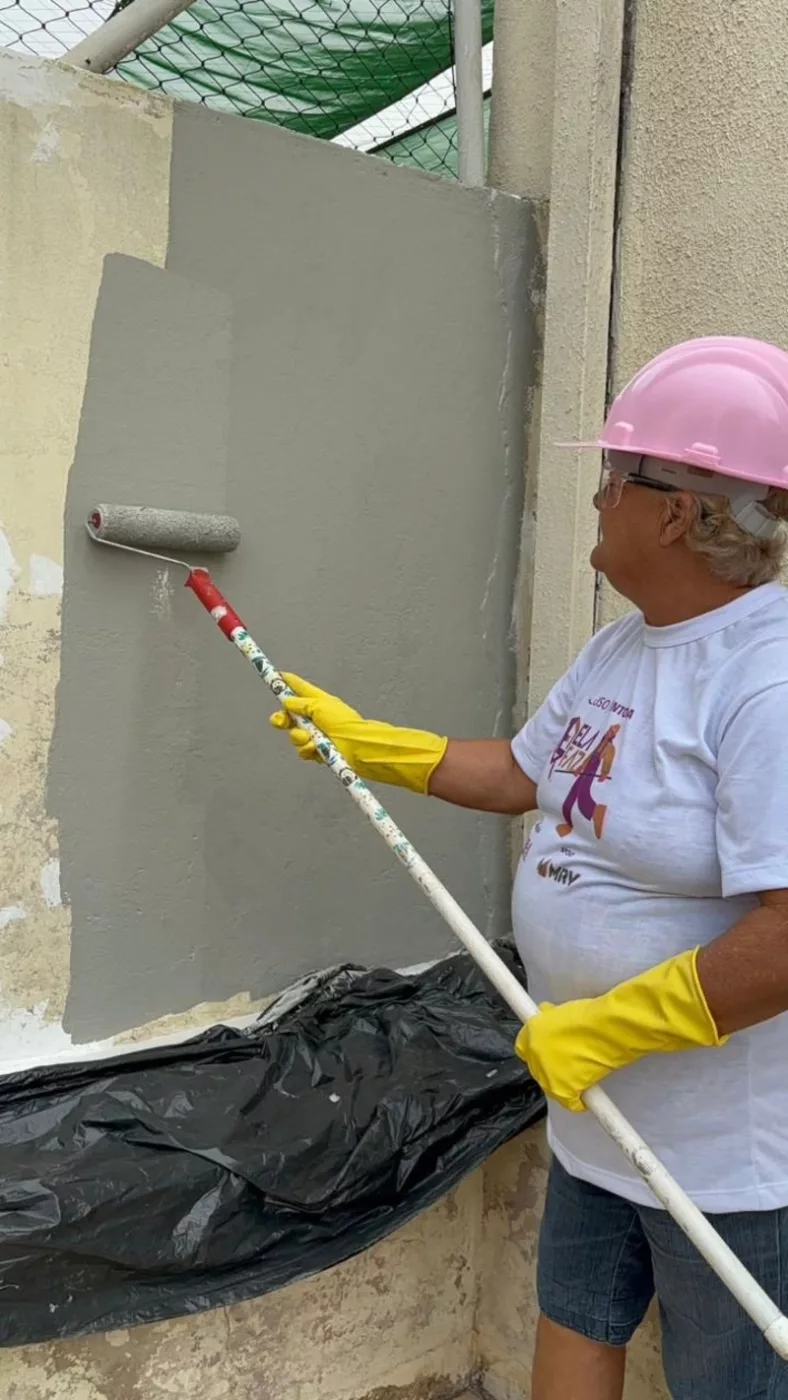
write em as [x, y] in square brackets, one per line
[554, 136]
[55, 153]
[521, 116]
[703, 248]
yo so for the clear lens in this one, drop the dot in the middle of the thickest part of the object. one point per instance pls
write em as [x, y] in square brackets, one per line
[611, 484]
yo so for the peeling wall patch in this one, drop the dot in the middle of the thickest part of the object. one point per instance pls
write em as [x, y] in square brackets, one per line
[47, 145]
[46, 577]
[25, 1034]
[36, 82]
[9, 572]
[12, 914]
[5, 730]
[50, 883]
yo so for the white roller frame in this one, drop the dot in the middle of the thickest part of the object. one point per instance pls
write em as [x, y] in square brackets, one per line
[123, 33]
[470, 90]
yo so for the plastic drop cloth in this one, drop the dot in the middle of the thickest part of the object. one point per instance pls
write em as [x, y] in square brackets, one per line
[180, 1179]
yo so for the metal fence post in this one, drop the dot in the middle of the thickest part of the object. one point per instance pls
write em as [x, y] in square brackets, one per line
[123, 33]
[470, 90]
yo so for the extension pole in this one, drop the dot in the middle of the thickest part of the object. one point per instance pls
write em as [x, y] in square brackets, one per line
[754, 1300]
[123, 527]
[470, 90]
[108, 45]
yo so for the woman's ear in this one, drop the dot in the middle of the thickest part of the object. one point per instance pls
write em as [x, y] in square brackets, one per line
[676, 517]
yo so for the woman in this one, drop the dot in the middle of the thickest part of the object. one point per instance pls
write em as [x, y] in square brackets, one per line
[659, 767]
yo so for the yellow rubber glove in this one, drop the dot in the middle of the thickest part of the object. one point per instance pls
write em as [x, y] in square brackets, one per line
[381, 753]
[568, 1048]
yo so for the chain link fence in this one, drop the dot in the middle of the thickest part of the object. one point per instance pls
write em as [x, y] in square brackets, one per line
[375, 75]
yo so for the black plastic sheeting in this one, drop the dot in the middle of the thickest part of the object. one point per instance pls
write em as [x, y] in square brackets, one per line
[198, 1175]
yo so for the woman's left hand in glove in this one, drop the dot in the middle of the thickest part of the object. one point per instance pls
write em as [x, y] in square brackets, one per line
[569, 1048]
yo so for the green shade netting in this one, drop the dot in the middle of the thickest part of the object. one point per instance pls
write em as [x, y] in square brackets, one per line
[432, 147]
[317, 68]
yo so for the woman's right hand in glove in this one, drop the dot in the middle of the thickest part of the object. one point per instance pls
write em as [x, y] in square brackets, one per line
[481, 774]
[377, 752]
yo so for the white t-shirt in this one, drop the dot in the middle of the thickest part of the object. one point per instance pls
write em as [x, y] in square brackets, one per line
[662, 765]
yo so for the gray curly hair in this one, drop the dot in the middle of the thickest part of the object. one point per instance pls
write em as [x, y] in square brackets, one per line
[732, 554]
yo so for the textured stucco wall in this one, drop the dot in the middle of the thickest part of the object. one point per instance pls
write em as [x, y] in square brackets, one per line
[342, 364]
[521, 117]
[559, 528]
[554, 134]
[85, 174]
[703, 198]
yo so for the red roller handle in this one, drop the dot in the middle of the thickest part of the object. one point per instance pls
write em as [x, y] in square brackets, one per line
[214, 602]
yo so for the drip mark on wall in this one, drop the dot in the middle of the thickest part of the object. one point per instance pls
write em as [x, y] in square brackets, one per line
[162, 591]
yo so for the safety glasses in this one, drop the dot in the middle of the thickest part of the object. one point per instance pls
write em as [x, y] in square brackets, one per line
[613, 481]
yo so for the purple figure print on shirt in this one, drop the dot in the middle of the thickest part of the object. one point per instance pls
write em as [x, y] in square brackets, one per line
[562, 748]
[596, 768]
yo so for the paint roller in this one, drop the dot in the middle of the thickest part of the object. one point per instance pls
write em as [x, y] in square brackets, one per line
[147, 531]
[145, 528]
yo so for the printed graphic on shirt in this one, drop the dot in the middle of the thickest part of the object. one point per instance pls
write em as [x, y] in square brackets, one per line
[614, 706]
[588, 754]
[560, 873]
[529, 838]
[548, 869]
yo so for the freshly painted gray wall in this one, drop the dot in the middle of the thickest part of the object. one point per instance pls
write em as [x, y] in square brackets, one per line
[339, 353]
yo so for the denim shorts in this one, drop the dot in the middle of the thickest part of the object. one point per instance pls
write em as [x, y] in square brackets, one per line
[602, 1259]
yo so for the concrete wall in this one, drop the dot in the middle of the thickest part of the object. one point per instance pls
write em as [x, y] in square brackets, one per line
[208, 313]
[554, 136]
[336, 351]
[703, 201]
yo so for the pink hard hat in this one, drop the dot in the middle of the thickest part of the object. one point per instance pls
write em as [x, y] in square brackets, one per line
[719, 403]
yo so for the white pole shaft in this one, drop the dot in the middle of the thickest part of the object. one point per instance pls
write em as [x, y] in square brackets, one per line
[470, 90]
[123, 33]
[764, 1313]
